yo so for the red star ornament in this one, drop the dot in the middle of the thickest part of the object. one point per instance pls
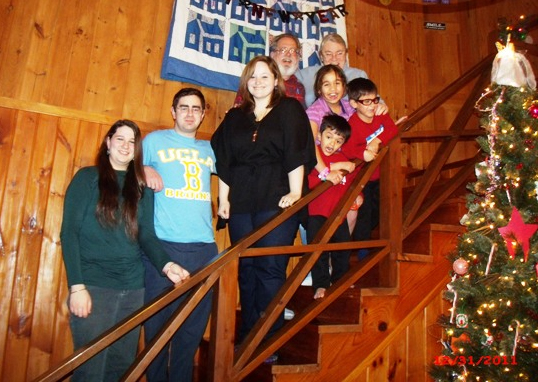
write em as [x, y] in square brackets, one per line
[517, 232]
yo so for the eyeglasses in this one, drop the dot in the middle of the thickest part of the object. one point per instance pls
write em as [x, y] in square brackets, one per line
[184, 109]
[291, 51]
[368, 102]
[330, 55]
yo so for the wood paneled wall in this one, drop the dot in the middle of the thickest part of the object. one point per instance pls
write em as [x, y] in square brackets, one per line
[69, 68]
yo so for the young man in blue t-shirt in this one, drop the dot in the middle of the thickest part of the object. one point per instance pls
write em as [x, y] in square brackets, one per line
[179, 168]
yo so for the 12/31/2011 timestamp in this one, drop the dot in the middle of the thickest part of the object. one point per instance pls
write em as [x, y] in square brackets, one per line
[496, 360]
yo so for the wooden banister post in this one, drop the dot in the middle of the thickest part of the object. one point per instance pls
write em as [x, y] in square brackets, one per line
[391, 206]
[221, 347]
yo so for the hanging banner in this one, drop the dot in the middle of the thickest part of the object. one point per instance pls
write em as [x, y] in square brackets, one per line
[210, 41]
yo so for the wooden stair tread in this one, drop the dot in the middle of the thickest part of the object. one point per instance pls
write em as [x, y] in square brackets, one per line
[416, 257]
[295, 369]
[447, 227]
[302, 348]
[372, 292]
[345, 310]
[419, 242]
[353, 328]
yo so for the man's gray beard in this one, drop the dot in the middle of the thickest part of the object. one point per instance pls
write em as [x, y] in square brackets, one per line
[288, 72]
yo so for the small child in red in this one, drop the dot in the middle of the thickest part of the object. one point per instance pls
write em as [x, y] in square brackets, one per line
[334, 131]
[369, 133]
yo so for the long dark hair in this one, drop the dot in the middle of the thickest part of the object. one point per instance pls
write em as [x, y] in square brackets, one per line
[248, 100]
[338, 72]
[108, 208]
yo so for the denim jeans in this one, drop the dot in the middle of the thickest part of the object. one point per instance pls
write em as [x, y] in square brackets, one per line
[109, 306]
[176, 361]
[260, 278]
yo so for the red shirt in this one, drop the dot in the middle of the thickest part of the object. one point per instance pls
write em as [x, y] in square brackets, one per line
[325, 203]
[382, 127]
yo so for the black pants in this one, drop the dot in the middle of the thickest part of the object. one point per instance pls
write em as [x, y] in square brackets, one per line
[321, 277]
[368, 217]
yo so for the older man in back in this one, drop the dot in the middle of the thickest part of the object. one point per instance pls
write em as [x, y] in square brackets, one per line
[285, 49]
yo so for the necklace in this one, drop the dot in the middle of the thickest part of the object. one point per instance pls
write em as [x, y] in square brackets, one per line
[255, 134]
[259, 116]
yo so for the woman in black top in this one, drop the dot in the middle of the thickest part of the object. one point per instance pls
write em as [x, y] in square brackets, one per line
[263, 148]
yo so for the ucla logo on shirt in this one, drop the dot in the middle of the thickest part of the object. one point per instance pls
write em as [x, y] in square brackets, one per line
[193, 165]
[181, 155]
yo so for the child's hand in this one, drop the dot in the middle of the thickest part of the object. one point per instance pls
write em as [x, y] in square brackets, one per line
[335, 177]
[369, 155]
[373, 146]
[346, 166]
[359, 200]
[381, 108]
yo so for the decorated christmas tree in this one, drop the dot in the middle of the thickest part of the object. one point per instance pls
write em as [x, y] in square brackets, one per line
[491, 330]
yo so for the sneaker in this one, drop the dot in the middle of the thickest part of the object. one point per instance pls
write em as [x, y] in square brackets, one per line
[308, 280]
[271, 359]
[288, 314]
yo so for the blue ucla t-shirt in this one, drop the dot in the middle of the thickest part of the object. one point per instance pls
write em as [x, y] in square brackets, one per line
[183, 211]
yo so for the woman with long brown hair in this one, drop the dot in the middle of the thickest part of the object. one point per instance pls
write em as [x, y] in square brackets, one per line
[107, 219]
[263, 148]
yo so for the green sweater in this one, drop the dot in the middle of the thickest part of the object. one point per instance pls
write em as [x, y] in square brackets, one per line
[105, 256]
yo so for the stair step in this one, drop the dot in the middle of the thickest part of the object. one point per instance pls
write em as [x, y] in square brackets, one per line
[344, 310]
[377, 292]
[307, 342]
[301, 349]
[418, 245]
[298, 355]
[415, 257]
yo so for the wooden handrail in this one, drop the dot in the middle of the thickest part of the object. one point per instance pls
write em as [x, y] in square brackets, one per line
[141, 315]
[441, 156]
[446, 93]
[275, 308]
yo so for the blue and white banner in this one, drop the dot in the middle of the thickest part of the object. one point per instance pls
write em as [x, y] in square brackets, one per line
[210, 41]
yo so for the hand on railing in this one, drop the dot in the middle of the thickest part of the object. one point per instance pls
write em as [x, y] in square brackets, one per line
[175, 272]
[369, 155]
[335, 177]
[401, 119]
[288, 199]
[344, 166]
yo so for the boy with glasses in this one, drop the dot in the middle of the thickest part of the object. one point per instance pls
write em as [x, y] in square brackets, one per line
[369, 132]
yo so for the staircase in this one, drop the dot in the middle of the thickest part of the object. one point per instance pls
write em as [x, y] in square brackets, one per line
[364, 335]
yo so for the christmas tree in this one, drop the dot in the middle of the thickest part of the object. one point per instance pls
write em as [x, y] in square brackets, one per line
[491, 331]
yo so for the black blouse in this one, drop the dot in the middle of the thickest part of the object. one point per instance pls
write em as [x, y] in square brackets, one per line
[256, 170]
